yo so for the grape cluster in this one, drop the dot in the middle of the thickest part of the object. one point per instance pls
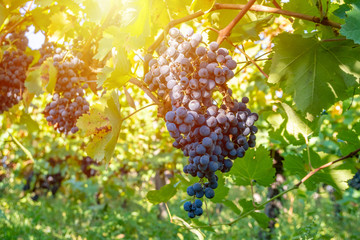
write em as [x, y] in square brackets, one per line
[194, 209]
[186, 74]
[355, 181]
[43, 184]
[13, 68]
[86, 163]
[68, 102]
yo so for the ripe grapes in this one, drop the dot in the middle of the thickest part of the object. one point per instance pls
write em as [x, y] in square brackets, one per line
[13, 68]
[68, 102]
[211, 135]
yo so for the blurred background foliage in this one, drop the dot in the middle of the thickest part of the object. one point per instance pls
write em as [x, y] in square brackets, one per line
[105, 198]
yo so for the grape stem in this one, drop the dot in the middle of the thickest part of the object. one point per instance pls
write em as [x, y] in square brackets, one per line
[145, 89]
[260, 8]
[138, 110]
[26, 151]
[276, 4]
[168, 211]
[296, 186]
[248, 57]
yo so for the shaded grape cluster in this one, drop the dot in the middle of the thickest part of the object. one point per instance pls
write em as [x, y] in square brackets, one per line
[13, 68]
[355, 181]
[43, 184]
[68, 102]
[211, 134]
[86, 163]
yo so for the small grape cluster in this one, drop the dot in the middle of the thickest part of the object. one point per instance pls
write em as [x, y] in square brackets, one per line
[68, 102]
[186, 74]
[13, 68]
[355, 181]
[43, 184]
[194, 209]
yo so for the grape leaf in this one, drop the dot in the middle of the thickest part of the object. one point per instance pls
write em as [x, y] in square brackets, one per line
[105, 46]
[256, 165]
[94, 122]
[49, 71]
[104, 142]
[349, 141]
[341, 11]
[356, 127]
[33, 82]
[203, 5]
[316, 73]
[164, 194]
[296, 125]
[351, 28]
[3, 14]
[59, 25]
[259, 217]
[232, 206]
[31, 124]
[334, 176]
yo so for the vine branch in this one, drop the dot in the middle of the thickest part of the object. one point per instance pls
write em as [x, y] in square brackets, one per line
[255, 8]
[260, 8]
[138, 110]
[296, 186]
[225, 32]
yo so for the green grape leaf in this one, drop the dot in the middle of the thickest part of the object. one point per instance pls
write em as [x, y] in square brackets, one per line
[49, 71]
[259, 217]
[334, 175]
[105, 46]
[351, 28]
[120, 75]
[33, 82]
[159, 17]
[232, 206]
[356, 127]
[31, 124]
[316, 73]
[41, 20]
[203, 5]
[349, 141]
[256, 165]
[178, 9]
[59, 26]
[274, 119]
[341, 11]
[164, 194]
[3, 14]
[296, 124]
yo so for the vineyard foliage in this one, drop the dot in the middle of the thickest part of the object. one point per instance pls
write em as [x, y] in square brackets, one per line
[118, 115]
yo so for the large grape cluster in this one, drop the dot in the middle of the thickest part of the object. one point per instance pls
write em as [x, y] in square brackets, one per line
[355, 181]
[211, 135]
[13, 68]
[68, 102]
